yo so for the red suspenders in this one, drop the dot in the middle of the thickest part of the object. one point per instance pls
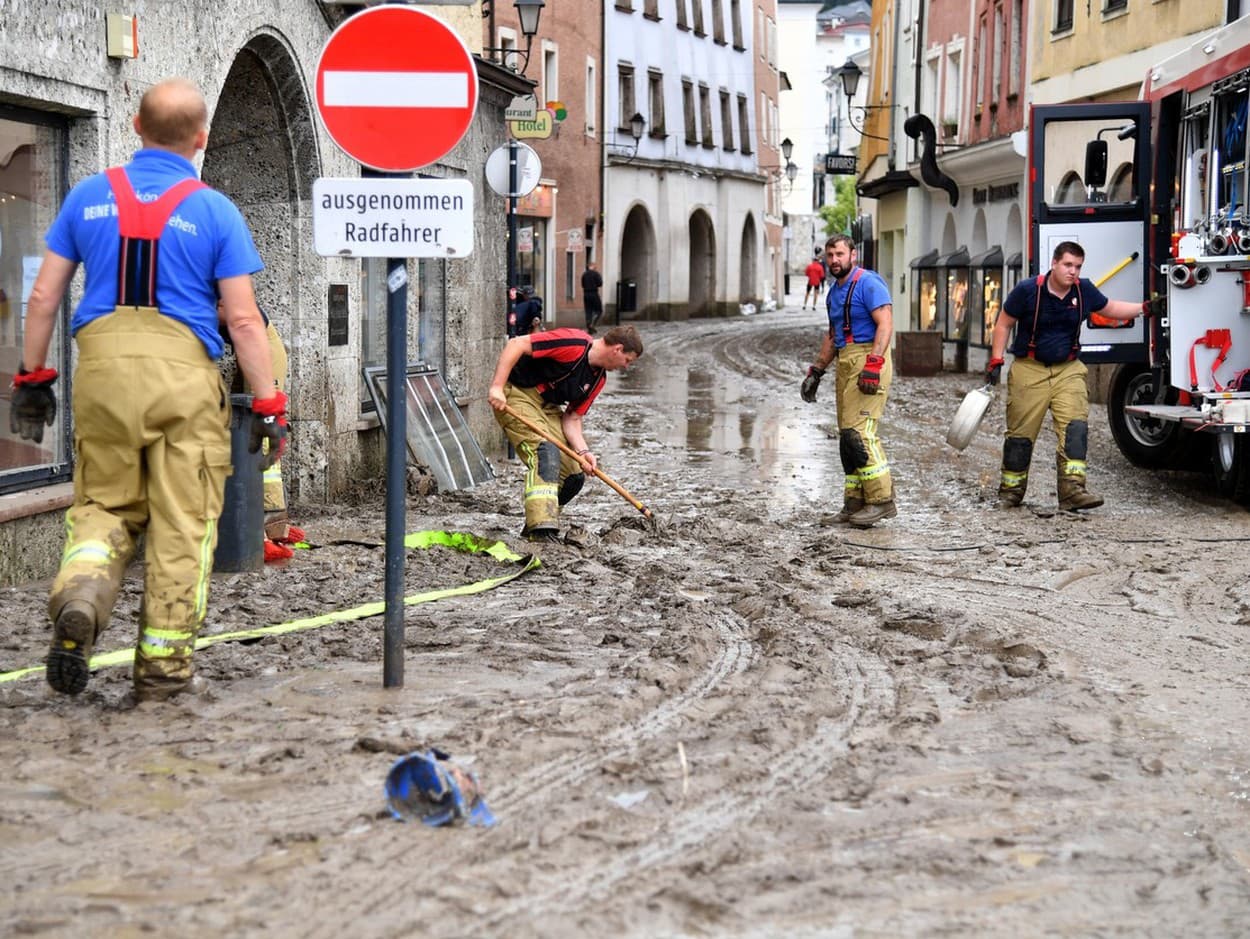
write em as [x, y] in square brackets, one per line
[1037, 309]
[140, 225]
[848, 335]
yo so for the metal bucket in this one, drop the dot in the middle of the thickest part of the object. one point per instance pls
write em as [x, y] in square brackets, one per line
[968, 416]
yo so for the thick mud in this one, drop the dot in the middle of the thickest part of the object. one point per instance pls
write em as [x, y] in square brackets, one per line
[743, 721]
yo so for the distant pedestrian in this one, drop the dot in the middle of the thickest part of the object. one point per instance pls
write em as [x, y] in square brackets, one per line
[1046, 375]
[151, 413]
[861, 324]
[815, 281]
[529, 312]
[592, 302]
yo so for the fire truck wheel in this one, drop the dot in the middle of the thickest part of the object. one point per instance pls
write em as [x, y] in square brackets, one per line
[1230, 466]
[1145, 442]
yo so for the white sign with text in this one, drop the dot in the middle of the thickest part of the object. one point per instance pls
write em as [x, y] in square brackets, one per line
[393, 218]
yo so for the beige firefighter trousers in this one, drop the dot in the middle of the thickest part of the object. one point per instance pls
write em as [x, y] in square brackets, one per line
[1033, 389]
[152, 447]
[862, 413]
[542, 497]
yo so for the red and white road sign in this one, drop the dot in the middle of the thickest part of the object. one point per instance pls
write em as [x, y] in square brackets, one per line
[396, 88]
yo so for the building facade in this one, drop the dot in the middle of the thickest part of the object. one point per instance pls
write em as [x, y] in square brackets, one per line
[684, 201]
[65, 112]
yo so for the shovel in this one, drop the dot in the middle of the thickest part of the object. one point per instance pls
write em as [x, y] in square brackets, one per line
[968, 416]
[621, 490]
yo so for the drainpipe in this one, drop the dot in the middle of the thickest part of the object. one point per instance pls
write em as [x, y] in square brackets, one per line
[919, 47]
[603, 141]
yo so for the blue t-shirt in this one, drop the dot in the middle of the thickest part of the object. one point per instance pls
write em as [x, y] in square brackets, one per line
[1058, 320]
[206, 240]
[870, 293]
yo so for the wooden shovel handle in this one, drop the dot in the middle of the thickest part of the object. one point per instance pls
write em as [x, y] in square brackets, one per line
[547, 436]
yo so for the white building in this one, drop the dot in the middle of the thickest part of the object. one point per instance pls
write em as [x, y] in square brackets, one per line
[684, 203]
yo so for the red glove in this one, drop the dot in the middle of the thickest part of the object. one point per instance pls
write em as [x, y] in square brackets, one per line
[994, 371]
[33, 404]
[870, 376]
[269, 423]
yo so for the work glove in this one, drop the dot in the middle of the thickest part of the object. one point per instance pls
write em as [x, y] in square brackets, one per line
[994, 371]
[33, 404]
[269, 424]
[811, 383]
[1155, 306]
[870, 375]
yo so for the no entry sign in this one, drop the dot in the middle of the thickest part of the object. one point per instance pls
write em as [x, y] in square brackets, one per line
[396, 88]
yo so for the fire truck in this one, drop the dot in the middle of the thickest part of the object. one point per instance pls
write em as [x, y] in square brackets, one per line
[1155, 191]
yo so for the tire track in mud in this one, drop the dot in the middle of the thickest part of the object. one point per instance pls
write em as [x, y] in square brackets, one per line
[868, 686]
[736, 652]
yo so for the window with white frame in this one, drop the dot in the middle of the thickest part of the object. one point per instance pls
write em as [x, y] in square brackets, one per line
[655, 100]
[592, 92]
[625, 94]
[551, 72]
[1017, 37]
[996, 82]
[982, 52]
[953, 87]
[744, 125]
[705, 115]
[1064, 10]
[687, 107]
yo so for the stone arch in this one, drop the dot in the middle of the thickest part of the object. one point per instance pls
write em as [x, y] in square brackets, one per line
[949, 243]
[979, 241]
[1121, 188]
[1071, 190]
[748, 263]
[702, 293]
[637, 257]
[262, 153]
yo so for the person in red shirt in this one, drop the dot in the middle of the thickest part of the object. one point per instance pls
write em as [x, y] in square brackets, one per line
[551, 378]
[815, 281]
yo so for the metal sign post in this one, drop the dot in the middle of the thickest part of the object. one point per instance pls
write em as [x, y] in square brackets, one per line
[396, 90]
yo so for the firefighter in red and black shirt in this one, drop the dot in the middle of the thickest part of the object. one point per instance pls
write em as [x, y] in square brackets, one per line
[551, 378]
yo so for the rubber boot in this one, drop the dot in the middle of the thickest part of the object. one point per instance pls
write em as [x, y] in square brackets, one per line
[850, 505]
[1073, 496]
[1010, 497]
[872, 513]
[73, 636]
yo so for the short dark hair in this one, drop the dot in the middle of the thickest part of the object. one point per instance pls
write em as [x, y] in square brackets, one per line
[624, 336]
[844, 239]
[1068, 247]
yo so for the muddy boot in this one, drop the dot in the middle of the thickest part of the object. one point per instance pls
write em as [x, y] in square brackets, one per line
[1010, 497]
[850, 505]
[872, 513]
[73, 636]
[541, 533]
[1073, 495]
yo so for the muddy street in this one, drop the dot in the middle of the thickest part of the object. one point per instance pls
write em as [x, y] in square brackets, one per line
[745, 722]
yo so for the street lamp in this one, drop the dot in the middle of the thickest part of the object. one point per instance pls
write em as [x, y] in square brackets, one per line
[848, 76]
[528, 12]
[637, 127]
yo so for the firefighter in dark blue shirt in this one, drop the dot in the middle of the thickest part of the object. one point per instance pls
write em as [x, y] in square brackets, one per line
[1046, 375]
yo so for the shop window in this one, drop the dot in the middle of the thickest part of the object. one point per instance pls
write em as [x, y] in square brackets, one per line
[925, 291]
[32, 183]
[955, 277]
[985, 293]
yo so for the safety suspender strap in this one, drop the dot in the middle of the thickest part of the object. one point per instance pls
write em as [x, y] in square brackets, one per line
[140, 225]
[1037, 310]
[847, 333]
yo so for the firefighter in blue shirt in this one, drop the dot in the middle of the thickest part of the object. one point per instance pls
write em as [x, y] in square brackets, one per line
[151, 412]
[861, 325]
